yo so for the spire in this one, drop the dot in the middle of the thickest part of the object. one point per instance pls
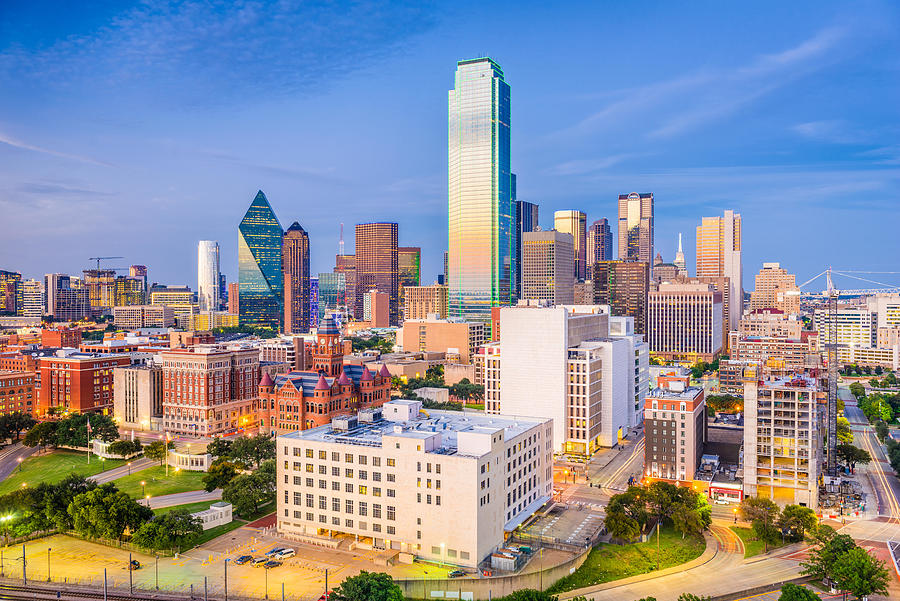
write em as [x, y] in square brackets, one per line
[267, 380]
[343, 380]
[366, 375]
[322, 384]
[384, 373]
[679, 261]
[679, 243]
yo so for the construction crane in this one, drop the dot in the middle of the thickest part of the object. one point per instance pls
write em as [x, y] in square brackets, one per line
[831, 294]
[98, 259]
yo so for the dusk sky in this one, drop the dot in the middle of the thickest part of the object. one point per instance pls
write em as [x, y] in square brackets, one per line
[137, 129]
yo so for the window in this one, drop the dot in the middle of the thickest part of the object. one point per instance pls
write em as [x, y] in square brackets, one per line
[376, 476]
[335, 521]
[376, 492]
[363, 474]
[348, 487]
[309, 453]
[348, 523]
[335, 456]
[390, 477]
[335, 471]
[363, 508]
[391, 513]
[391, 463]
[348, 506]
[376, 461]
[348, 473]
[363, 489]
[376, 511]
[310, 500]
[335, 485]
[335, 504]
[323, 470]
[435, 550]
[323, 502]
[391, 492]
[376, 527]
[322, 455]
[391, 530]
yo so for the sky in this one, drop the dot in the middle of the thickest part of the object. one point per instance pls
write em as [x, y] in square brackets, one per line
[137, 129]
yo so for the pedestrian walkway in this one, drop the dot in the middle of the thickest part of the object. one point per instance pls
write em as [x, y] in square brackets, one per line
[123, 470]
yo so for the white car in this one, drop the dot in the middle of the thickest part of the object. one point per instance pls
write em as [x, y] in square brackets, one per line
[286, 553]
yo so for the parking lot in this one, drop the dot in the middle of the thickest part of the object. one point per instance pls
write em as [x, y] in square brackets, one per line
[573, 525]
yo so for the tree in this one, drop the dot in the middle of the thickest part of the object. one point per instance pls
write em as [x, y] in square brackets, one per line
[42, 434]
[793, 592]
[692, 597]
[57, 499]
[124, 448]
[12, 424]
[466, 390]
[823, 558]
[106, 512]
[881, 430]
[631, 504]
[795, 521]
[72, 431]
[368, 586]
[851, 455]
[251, 451]
[530, 594]
[686, 520]
[175, 529]
[219, 447]
[843, 430]
[220, 473]
[248, 492]
[620, 525]
[761, 513]
[861, 574]
[157, 450]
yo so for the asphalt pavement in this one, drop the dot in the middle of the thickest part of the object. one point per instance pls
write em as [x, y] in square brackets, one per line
[124, 470]
[9, 458]
[182, 498]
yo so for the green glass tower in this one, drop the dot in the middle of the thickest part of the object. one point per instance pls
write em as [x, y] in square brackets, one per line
[261, 283]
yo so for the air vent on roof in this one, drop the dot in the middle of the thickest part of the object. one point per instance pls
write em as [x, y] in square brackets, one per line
[343, 423]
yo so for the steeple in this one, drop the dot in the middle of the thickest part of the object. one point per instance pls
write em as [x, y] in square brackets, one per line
[679, 257]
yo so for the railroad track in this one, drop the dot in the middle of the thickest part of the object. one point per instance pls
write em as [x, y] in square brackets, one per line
[44, 591]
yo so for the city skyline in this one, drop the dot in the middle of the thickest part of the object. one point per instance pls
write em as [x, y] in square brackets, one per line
[803, 158]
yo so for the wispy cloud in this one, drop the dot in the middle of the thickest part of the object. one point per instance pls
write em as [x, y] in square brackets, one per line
[587, 166]
[13, 142]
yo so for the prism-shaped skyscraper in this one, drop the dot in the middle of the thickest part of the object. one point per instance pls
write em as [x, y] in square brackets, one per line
[259, 266]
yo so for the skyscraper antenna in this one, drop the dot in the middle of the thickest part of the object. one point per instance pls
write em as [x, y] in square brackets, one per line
[341, 242]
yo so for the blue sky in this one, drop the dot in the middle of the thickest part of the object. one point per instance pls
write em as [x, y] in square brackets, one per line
[138, 129]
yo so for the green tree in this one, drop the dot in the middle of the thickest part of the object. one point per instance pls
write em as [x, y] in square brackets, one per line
[466, 390]
[795, 521]
[620, 525]
[220, 473]
[176, 529]
[851, 455]
[251, 451]
[843, 430]
[368, 586]
[106, 512]
[13, 424]
[793, 592]
[72, 431]
[219, 447]
[248, 491]
[861, 574]
[631, 503]
[124, 448]
[686, 520]
[42, 434]
[56, 501]
[881, 430]
[762, 514]
[823, 558]
[157, 450]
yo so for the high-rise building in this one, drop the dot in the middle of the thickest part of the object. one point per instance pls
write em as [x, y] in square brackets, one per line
[33, 298]
[679, 262]
[208, 275]
[10, 291]
[624, 286]
[675, 426]
[719, 255]
[782, 440]
[223, 292]
[101, 287]
[376, 309]
[854, 326]
[599, 244]
[140, 271]
[458, 338]
[409, 265]
[565, 364]
[65, 300]
[234, 298]
[129, 291]
[482, 235]
[313, 303]
[444, 274]
[684, 322]
[422, 301]
[775, 289]
[332, 292]
[295, 267]
[137, 396]
[259, 266]
[574, 223]
[377, 264]
[526, 221]
[546, 261]
[346, 265]
[636, 227]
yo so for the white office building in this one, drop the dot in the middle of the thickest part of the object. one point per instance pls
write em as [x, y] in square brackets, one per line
[855, 327]
[566, 364]
[208, 275]
[439, 485]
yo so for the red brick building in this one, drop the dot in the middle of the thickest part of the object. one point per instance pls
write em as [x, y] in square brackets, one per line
[17, 392]
[78, 381]
[209, 389]
[60, 337]
[306, 399]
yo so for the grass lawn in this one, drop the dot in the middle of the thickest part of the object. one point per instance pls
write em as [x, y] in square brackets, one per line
[53, 467]
[157, 482]
[212, 533]
[191, 507]
[263, 511]
[613, 562]
[751, 545]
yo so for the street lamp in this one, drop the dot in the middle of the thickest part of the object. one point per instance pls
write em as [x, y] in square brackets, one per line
[48, 564]
[227, 559]
[129, 468]
[148, 500]
[19, 459]
[143, 484]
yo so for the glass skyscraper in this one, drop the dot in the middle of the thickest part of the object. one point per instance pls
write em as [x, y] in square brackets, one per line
[526, 218]
[636, 227]
[599, 243]
[575, 223]
[259, 266]
[208, 284]
[482, 235]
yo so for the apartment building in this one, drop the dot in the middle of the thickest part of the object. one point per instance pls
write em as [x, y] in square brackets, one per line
[17, 392]
[770, 322]
[782, 439]
[209, 389]
[422, 301]
[135, 317]
[674, 430]
[396, 477]
[138, 396]
[685, 321]
[79, 381]
[855, 326]
[776, 351]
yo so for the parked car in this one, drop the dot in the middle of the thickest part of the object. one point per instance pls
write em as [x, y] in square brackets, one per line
[258, 561]
[274, 551]
[271, 564]
[243, 559]
[456, 574]
[135, 565]
[285, 553]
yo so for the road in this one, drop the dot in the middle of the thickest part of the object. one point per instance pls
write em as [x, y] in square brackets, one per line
[124, 470]
[182, 498]
[10, 456]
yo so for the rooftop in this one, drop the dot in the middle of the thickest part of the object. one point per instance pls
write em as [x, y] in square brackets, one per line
[687, 394]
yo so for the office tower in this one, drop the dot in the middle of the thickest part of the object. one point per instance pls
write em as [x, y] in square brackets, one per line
[234, 297]
[444, 278]
[680, 263]
[675, 426]
[376, 309]
[599, 244]
[719, 255]
[854, 326]
[313, 318]
[563, 363]
[526, 221]
[770, 322]
[295, 271]
[482, 237]
[208, 275]
[782, 450]
[459, 339]
[128, 291]
[546, 261]
[259, 266]
[684, 321]
[101, 288]
[65, 301]
[135, 317]
[775, 289]
[332, 292]
[137, 395]
[140, 271]
[421, 301]
[574, 223]
[409, 265]
[346, 264]
[10, 291]
[377, 266]
[431, 464]
[636, 227]
[662, 271]
[223, 292]
[33, 298]
[623, 285]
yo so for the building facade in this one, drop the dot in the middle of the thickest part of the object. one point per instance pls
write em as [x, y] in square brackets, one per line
[636, 227]
[546, 261]
[377, 265]
[399, 477]
[599, 243]
[135, 317]
[296, 278]
[675, 431]
[260, 276]
[442, 335]
[684, 322]
[575, 224]
[138, 396]
[855, 326]
[17, 392]
[422, 301]
[208, 296]
[481, 266]
[775, 289]
[719, 255]
[79, 381]
[526, 218]
[624, 286]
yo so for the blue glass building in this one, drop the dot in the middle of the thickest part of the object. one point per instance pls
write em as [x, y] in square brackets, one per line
[261, 283]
